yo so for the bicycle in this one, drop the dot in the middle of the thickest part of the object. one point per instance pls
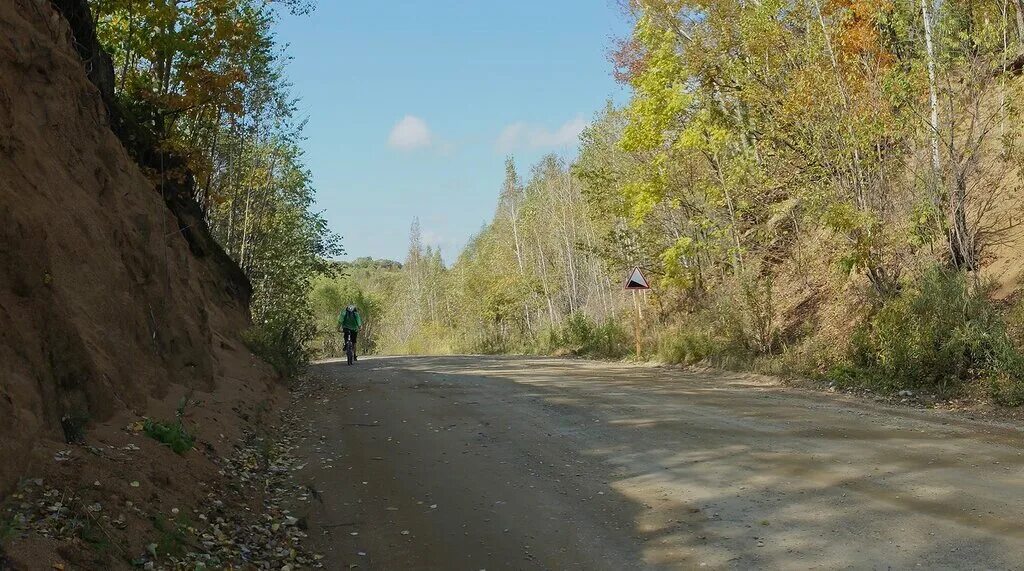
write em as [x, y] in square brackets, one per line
[349, 351]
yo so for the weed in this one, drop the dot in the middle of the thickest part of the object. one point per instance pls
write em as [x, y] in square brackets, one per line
[686, 347]
[1006, 391]
[171, 538]
[264, 448]
[91, 534]
[8, 527]
[73, 425]
[173, 435]
[581, 336]
[279, 346]
[936, 335]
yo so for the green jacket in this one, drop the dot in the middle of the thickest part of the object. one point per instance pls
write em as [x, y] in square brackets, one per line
[351, 321]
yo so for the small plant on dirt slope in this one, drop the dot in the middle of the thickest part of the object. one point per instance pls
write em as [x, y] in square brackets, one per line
[171, 537]
[73, 425]
[7, 529]
[174, 435]
[936, 335]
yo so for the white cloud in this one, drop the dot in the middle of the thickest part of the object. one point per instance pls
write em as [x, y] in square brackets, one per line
[523, 135]
[409, 134]
[511, 136]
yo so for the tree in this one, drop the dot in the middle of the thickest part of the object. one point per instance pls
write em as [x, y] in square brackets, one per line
[204, 79]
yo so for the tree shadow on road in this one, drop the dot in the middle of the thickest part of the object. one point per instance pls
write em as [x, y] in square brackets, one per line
[727, 470]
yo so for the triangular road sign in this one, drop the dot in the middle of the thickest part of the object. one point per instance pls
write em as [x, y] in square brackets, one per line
[637, 280]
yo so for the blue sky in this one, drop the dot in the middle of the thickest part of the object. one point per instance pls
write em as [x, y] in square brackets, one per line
[413, 106]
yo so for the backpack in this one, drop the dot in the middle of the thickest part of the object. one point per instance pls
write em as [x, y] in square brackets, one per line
[350, 315]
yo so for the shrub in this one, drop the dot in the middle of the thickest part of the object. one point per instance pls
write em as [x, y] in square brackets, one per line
[758, 333]
[172, 538]
[8, 527]
[1006, 390]
[581, 336]
[490, 344]
[430, 338]
[280, 346]
[578, 333]
[73, 425]
[935, 335]
[812, 356]
[686, 348]
[610, 340]
[723, 334]
[173, 435]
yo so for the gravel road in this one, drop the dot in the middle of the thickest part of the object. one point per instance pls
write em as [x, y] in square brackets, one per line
[525, 463]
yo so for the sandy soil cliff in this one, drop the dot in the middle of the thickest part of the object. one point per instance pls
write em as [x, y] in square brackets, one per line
[110, 304]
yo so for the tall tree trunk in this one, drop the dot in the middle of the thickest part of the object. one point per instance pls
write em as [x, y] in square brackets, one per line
[933, 96]
[544, 283]
[961, 239]
[127, 45]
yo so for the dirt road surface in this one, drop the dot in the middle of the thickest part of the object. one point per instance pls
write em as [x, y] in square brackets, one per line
[519, 463]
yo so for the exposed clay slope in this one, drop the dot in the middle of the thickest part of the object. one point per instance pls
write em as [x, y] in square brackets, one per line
[106, 305]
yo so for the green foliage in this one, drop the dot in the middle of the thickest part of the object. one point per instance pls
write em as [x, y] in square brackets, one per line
[530, 281]
[581, 336]
[1005, 389]
[204, 81]
[281, 344]
[686, 347]
[283, 253]
[93, 535]
[936, 335]
[172, 434]
[8, 528]
[366, 284]
[172, 536]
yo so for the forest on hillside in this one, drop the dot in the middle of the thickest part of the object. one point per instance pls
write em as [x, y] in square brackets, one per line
[827, 188]
[205, 80]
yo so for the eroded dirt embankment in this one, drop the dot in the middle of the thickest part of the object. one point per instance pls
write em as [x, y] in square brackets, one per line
[114, 301]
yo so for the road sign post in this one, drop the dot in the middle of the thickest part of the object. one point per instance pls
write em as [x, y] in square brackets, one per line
[636, 323]
[636, 282]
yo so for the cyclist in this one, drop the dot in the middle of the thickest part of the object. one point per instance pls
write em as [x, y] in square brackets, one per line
[349, 324]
